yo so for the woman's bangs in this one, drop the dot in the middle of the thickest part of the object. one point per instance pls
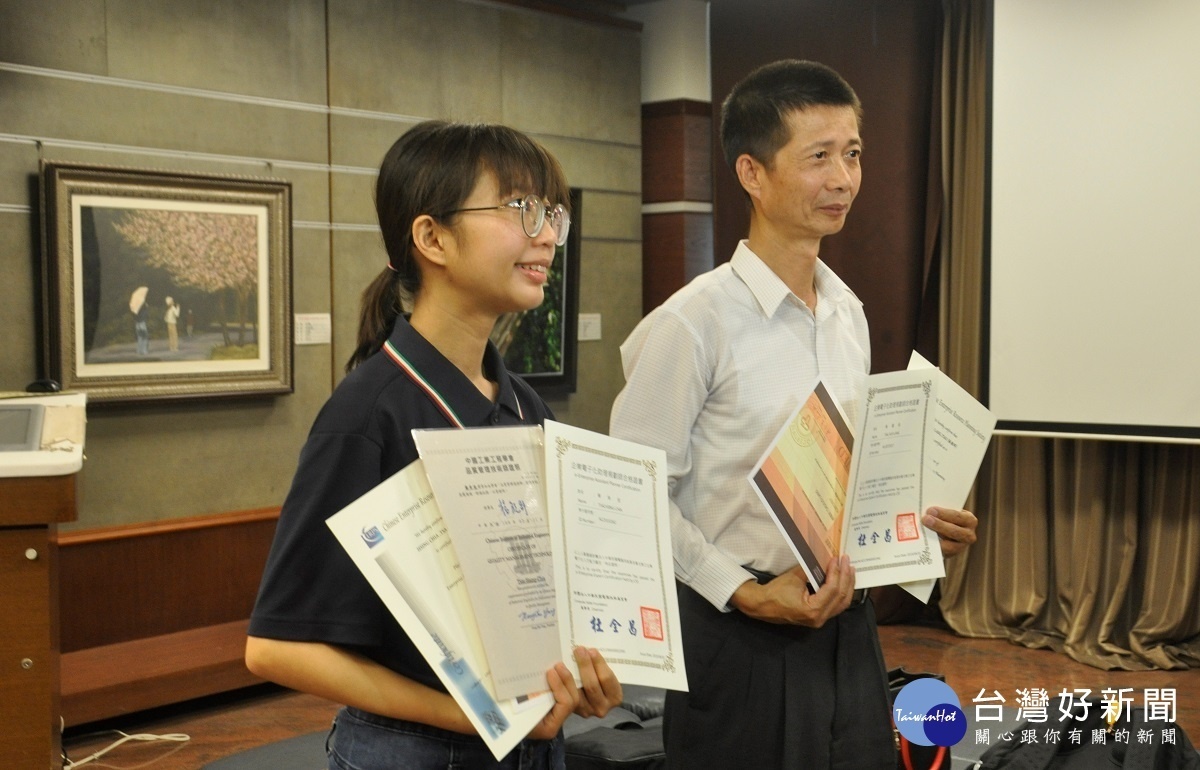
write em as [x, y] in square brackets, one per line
[524, 167]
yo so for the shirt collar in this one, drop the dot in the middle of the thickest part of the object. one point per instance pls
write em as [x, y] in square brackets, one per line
[770, 291]
[444, 384]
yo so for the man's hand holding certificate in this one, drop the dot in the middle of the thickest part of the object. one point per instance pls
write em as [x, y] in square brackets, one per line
[919, 441]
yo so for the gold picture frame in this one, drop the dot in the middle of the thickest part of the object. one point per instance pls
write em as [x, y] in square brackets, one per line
[161, 285]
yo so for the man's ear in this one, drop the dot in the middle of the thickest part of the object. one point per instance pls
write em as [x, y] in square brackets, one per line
[429, 239]
[749, 172]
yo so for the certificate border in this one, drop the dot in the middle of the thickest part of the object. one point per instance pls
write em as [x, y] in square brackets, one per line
[926, 556]
[562, 447]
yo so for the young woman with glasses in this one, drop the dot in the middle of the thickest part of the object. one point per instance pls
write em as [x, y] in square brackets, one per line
[470, 217]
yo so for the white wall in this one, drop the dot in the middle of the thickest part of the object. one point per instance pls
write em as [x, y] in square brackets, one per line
[674, 50]
[1095, 275]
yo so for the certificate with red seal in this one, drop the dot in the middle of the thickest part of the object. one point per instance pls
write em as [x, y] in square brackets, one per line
[832, 489]
[609, 516]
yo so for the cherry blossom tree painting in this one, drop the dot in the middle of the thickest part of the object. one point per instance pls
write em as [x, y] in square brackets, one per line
[164, 285]
[215, 253]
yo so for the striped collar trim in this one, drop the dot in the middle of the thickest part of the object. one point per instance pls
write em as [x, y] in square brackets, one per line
[402, 362]
[431, 392]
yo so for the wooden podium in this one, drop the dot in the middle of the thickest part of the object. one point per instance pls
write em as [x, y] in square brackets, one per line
[31, 506]
[30, 509]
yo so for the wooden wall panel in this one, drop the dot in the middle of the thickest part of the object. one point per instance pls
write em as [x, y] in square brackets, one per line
[131, 582]
[677, 183]
[676, 248]
[676, 151]
[886, 52]
[119, 679]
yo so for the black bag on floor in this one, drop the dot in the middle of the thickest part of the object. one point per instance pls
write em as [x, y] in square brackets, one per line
[629, 737]
[1130, 742]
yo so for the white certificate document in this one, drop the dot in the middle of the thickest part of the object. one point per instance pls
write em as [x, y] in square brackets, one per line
[882, 532]
[614, 573]
[488, 484]
[961, 432]
[396, 537]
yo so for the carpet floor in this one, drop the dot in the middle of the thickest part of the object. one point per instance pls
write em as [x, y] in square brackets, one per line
[304, 752]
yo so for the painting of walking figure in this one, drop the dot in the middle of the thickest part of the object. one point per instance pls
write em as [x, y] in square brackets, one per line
[128, 253]
[141, 328]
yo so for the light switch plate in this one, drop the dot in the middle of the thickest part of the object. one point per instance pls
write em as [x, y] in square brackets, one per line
[589, 326]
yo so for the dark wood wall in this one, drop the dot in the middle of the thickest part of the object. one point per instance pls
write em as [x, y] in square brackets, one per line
[141, 580]
[676, 173]
[156, 613]
[885, 49]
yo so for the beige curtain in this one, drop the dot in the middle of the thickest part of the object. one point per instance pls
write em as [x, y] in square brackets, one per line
[1090, 548]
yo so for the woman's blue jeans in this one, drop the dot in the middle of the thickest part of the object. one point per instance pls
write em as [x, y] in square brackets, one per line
[360, 740]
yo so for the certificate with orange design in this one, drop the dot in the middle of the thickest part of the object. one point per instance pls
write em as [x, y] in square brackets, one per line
[920, 440]
[803, 477]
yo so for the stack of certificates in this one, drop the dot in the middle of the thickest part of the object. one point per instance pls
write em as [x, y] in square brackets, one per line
[920, 441]
[502, 549]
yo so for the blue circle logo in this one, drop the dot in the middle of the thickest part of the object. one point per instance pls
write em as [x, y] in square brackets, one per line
[927, 713]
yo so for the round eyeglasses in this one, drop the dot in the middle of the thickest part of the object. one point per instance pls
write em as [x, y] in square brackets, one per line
[534, 216]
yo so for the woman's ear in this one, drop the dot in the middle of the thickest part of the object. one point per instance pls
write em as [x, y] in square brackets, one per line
[429, 239]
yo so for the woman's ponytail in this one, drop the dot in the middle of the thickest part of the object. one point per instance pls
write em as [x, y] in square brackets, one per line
[381, 305]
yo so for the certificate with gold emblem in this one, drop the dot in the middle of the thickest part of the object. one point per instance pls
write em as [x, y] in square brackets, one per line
[802, 480]
[832, 489]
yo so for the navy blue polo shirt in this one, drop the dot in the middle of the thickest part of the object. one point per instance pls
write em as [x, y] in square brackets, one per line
[311, 591]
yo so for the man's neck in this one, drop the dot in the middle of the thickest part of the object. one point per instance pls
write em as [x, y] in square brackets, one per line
[795, 262]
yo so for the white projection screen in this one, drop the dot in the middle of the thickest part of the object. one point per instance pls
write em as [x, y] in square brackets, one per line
[1094, 281]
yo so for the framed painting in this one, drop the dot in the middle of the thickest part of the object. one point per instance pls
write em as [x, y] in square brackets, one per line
[542, 344]
[162, 285]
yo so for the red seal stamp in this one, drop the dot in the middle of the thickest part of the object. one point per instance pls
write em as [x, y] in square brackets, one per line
[906, 526]
[652, 623]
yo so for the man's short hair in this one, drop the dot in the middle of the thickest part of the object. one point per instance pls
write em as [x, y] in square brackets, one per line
[754, 115]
